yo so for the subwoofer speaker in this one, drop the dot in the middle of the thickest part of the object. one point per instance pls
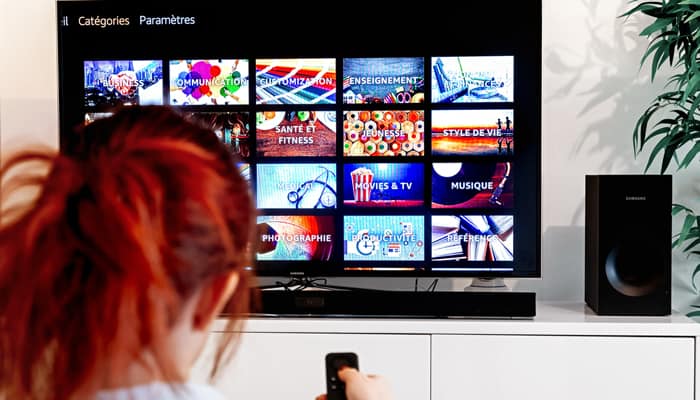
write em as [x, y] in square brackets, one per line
[628, 244]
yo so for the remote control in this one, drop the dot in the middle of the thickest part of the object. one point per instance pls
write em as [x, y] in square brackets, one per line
[335, 388]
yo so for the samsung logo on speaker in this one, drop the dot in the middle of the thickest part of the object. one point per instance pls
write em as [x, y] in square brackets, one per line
[635, 198]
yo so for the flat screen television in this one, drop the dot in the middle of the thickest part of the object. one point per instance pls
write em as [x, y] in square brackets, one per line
[380, 141]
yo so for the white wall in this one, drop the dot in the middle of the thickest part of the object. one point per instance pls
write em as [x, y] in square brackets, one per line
[592, 93]
[28, 67]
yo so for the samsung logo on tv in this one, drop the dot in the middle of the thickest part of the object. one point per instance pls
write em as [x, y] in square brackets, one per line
[635, 198]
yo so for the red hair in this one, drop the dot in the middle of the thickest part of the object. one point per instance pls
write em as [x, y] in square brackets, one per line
[144, 209]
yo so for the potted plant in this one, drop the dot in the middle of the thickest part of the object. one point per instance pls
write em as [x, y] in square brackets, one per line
[669, 129]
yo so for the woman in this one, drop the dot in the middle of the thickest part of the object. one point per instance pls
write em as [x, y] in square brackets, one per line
[111, 277]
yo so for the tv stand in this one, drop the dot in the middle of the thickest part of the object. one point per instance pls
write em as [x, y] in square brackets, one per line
[487, 284]
[566, 352]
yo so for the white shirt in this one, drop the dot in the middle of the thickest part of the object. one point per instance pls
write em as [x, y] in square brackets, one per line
[162, 391]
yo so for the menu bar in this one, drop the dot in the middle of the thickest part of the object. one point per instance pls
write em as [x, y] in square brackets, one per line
[99, 21]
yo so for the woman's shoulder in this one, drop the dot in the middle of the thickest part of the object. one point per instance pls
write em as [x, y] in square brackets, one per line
[162, 391]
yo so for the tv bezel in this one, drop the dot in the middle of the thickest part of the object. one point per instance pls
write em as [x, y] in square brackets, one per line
[522, 20]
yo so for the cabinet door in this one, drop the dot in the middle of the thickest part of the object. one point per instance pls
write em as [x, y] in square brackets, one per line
[562, 367]
[291, 366]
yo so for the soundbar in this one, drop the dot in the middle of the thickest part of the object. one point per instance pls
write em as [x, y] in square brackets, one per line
[397, 304]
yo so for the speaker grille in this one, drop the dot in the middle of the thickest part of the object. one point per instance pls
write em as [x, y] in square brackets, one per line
[632, 271]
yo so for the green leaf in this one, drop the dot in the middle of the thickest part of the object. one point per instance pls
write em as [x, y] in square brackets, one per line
[680, 114]
[685, 231]
[643, 7]
[695, 272]
[661, 145]
[689, 87]
[652, 49]
[671, 36]
[669, 121]
[669, 154]
[640, 129]
[693, 16]
[690, 156]
[677, 140]
[664, 130]
[659, 58]
[680, 78]
[672, 96]
[692, 88]
[692, 314]
[692, 234]
[690, 246]
[671, 53]
[676, 208]
[694, 105]
[657, 25]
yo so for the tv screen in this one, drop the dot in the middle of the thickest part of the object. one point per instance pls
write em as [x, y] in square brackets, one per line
[403, 144]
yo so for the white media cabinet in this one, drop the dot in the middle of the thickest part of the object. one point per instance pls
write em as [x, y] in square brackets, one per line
[566, 352]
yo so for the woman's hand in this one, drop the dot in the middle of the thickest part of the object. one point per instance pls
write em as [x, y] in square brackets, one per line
[359, 386]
